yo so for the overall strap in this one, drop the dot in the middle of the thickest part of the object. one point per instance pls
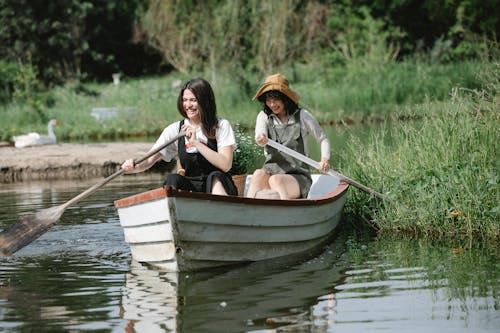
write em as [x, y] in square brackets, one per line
[180, 143]
[195, 164]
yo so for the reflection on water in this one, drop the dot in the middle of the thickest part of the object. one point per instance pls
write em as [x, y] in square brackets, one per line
[333, 292]
[79, 277]
[450, 286]
[149, 302]
[246, 298]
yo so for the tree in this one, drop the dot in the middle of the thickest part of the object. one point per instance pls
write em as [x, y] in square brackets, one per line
[70, 39]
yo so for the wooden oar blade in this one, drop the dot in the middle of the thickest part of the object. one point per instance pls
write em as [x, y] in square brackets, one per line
[29, 228]
[316, 165]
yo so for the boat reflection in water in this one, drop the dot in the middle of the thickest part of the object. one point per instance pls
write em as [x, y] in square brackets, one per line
[149, 300]
[248, 298]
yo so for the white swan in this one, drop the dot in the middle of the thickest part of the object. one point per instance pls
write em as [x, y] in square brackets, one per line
[35, 139]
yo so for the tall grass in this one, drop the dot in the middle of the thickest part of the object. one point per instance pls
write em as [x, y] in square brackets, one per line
[440, 174]
[346, 94]
[440, 171]
[359, 93]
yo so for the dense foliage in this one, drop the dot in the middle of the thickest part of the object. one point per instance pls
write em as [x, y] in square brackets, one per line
[441, 173]
[94, 38]
[74, 39]
[248, 156]
[47, 43]
[259, 37]
[351, 60]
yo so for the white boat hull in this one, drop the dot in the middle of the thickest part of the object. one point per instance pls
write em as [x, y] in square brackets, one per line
[183, 231]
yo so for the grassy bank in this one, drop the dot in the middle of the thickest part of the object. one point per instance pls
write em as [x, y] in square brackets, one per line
[441, 173]
[335, 95]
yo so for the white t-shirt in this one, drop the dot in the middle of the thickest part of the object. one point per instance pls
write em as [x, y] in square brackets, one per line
[224, 136]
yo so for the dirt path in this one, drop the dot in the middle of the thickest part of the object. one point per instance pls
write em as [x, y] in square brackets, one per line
[66, 160]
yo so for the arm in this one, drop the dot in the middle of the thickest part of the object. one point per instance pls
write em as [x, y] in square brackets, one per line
[130, 167]
[226, 143]
[223, 159]
[261, 129]
[313, 128]
[167, 153]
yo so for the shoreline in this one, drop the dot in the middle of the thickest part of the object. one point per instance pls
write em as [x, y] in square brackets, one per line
[70, 161]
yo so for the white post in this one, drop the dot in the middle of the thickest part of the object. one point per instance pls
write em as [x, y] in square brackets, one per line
[116, 78]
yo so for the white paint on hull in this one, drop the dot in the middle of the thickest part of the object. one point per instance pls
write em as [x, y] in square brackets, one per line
[188, 233]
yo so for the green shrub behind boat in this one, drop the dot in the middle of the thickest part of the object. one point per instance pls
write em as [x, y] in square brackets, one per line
[441, 174]
[247, 157]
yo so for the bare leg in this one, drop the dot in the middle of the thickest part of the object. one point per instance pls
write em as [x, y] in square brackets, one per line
[260, 180]
[286, 185]
[217, 187]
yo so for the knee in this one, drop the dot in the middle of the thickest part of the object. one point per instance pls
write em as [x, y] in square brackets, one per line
[276, 180]
[259, 173]
[217, 187]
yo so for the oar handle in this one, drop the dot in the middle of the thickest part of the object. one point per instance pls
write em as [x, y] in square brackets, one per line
[316, 165]
[163, 146]
[106, 180]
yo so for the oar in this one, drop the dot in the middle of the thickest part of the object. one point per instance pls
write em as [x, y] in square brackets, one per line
[32, 226]
[316, 165]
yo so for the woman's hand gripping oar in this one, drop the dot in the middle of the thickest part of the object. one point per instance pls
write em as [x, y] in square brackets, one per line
[315, 165]
[32, 226]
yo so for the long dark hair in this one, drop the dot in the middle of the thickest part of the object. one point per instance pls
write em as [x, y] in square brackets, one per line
[290, 106]
[206, 100]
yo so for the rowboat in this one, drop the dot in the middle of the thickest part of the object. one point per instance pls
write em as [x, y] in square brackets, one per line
[179, 231]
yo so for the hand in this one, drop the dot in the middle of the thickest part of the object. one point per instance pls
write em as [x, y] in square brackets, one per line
[324, 165]
[190, 132]
[261, 140]
[129, 166]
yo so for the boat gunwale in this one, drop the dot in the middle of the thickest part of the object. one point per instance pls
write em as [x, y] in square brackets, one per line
[160, 193]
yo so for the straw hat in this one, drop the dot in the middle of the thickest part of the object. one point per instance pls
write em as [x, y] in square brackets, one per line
[280, 83]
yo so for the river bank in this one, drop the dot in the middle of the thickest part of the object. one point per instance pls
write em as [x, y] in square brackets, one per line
[67, 160]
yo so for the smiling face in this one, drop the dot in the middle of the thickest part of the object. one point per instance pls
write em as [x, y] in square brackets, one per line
[276, 105]
[191, 106]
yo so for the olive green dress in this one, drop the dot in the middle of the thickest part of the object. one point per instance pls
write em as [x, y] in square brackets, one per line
[277, 162]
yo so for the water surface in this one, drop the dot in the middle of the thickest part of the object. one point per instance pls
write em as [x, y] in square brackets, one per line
[79, 277]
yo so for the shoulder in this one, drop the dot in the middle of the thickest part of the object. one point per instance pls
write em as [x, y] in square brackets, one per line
[306, 116]
[225, 134]
[171, 130]
[175, 125]
[262, 116]
[224, 128]
[224, 123]
[304, 112]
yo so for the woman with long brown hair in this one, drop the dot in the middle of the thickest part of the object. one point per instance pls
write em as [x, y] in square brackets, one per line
[205, 153]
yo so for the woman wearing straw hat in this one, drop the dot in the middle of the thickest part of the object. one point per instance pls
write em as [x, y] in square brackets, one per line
[283, 121]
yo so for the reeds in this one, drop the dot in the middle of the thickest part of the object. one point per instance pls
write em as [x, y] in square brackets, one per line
[441, 172]
[333, 95]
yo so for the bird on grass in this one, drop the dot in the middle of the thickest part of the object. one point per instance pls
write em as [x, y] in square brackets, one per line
[36, 139]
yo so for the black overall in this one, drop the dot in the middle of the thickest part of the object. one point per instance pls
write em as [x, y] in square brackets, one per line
[199, 172]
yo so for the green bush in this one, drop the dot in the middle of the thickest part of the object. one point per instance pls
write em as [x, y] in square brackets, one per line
[247, 155]
[8, 73]
[441, 172]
